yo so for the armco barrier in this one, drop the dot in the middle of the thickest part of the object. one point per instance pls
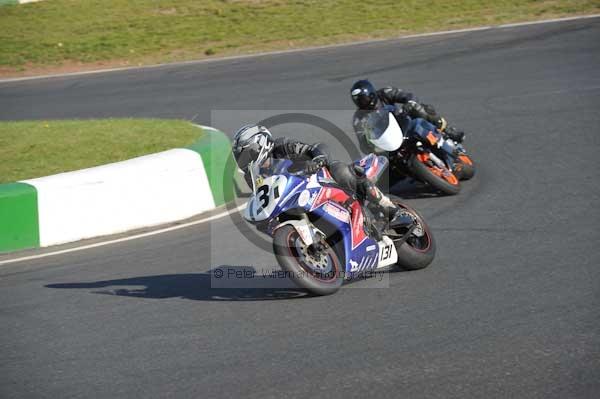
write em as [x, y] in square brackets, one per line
[141, 192]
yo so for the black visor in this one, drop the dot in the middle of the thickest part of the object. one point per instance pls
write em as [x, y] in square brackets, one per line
[365, 101]
[364, 94]
[245, 155]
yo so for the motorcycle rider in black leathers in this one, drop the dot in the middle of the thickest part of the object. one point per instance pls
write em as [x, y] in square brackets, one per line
[367, 98]
[252, 141]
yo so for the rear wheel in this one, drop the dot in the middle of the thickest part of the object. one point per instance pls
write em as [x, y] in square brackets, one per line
[441, 179]
[317, 270]
[464, 167]
[418, 251]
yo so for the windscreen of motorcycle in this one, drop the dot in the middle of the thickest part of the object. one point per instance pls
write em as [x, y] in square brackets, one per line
[266, 197]
[383, 130]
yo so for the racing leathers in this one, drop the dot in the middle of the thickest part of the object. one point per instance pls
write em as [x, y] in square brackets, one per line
[316, 156]
[413, 108]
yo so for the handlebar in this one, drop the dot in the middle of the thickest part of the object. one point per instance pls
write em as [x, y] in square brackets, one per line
[298, 172]
[302, 171]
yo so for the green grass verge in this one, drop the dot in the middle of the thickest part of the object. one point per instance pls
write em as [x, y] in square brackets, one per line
[71, 32]
[39, 148]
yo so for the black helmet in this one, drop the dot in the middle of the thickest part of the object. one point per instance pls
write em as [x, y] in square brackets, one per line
[251, 143]
[364, 94]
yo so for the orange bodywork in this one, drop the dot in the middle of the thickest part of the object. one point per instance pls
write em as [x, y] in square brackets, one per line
[450, 178]
[431, 137]
[465, 159]
[443, 173]
[423, 157]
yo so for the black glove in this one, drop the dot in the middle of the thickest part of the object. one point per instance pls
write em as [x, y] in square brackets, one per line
[455, 135]
[415, 110]
[315, 164]
[427, 112]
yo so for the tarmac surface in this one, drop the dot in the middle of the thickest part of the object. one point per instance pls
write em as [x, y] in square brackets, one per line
[509, 308]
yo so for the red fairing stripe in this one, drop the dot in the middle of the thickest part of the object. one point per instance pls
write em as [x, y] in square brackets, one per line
[374, 168]
[329, 194]
[358, 231]
[338, 196]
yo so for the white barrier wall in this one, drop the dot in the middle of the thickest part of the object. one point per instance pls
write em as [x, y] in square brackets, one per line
[141, 192]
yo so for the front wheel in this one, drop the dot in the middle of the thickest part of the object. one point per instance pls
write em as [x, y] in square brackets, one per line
[441, 179]
[418, 251]
[464, 167]
[317, 270]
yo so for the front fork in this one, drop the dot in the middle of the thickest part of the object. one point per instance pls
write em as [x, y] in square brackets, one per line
[309, 234]
[448, 154]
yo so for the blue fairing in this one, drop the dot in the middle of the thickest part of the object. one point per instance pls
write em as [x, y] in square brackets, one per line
[373, 165]
[304, 192]
[295, 185]
[422, 128]
[358, 259]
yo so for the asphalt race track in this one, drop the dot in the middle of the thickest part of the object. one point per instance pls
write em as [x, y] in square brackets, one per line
[509, 308]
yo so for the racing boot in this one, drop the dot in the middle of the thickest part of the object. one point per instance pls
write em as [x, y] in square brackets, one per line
[447, 131]
[394, 215]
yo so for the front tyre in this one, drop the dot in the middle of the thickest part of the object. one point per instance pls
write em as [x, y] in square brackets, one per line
[318, 271]
[418, 251]
[464, 167]
[441, 179]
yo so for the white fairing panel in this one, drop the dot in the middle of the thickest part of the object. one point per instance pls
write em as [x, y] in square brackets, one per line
[392, 138]
[117, 197]
[265, 199]
[387, 252]
[303, 229]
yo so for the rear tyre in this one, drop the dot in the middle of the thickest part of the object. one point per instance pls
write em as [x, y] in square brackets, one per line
[440, 179]
[464, 167]
[418, 251]
[319, 272]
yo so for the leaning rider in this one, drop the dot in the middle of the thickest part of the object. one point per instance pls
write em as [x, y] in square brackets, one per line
[252, 142]
[367, 99]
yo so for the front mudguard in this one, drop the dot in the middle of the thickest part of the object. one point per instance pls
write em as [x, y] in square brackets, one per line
[307, 232]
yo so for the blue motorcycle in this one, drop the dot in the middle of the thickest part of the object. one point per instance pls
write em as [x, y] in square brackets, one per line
[323, 235]
[415, 148]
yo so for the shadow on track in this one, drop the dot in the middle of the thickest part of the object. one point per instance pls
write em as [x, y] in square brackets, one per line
[225, 283]
[411, 189]
[407, 187]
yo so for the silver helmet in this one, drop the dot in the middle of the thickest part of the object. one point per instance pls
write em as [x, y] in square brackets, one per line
[251, 143]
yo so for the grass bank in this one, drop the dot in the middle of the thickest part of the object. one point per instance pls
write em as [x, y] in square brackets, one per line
[39, 148]
[61, 35]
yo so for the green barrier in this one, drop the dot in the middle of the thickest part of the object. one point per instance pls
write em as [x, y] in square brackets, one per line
[19, 226]
[214, 148]
[19, 219]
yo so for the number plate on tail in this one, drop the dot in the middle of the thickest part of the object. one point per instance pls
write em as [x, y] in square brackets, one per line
[387, 253]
